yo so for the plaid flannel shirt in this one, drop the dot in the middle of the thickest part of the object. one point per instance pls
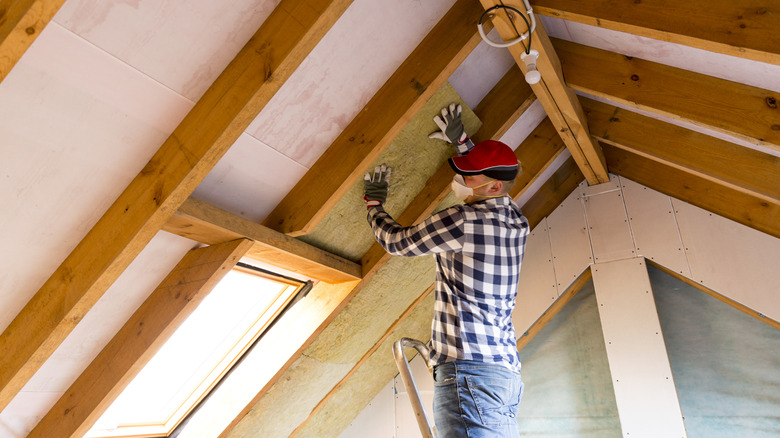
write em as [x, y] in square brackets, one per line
[478, 249]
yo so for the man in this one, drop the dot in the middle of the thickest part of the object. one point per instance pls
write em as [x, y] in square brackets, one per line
[478, 248]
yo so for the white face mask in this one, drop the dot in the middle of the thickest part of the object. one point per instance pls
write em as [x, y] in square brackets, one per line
[462, 191]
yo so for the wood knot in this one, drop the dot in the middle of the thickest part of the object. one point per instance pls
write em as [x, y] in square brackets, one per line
[761, 11]
[634, 78]
[614, 119]
[742, 25]
[771, 102]
[775, 127]
[30, 30]
[418, 87]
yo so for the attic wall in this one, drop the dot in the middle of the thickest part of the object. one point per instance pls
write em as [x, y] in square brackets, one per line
[622, 220]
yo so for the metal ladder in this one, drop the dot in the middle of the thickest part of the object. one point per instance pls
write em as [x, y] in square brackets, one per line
[411, 389]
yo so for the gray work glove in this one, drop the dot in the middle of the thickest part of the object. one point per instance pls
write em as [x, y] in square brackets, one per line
[376, 186]
[452, 130]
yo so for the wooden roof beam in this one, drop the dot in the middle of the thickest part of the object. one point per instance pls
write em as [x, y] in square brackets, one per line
[380, 121]
[21, 21]
[732, 181]
[748, 171]
[739, 110]
[139, 339]
[181, 163]
[205, 223]
[558, 100]
[740, 28]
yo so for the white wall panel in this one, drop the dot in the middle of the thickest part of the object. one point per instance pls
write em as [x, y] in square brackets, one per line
[377, 419]
[610, 235]
[184, 44]
[250, 180]
[351, 62]
[730, 258]
[569, 241]
[642, 377]
[537, 289]
[481, 71]
[654, 226]
[584, 189]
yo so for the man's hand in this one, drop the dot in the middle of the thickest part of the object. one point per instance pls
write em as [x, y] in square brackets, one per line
[452, 130]
[376, 186]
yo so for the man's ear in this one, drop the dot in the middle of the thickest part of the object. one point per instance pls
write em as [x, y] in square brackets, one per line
[496, 187]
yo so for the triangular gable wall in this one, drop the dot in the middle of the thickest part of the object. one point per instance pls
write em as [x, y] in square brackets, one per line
[623, 221]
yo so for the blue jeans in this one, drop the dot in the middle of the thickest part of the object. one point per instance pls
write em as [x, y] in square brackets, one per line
[475, 400]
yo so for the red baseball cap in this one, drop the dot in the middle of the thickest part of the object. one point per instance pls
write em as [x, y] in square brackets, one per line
[490, 158]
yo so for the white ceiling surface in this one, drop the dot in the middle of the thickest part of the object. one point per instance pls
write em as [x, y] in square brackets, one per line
[104, 85]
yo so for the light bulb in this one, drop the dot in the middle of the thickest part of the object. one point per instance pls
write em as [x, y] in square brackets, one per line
[532, 75]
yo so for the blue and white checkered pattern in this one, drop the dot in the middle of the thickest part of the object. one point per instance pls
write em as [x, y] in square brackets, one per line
[478, 248]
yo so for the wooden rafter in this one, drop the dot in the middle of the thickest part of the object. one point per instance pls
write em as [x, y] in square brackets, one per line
[740, 28]
[21, 21]
[380, 121]
[739, 110]
[748, 171]
[498, 111]
[558, 100]
[205, 134]
[137, 341]
[205, 223]
[537, 152]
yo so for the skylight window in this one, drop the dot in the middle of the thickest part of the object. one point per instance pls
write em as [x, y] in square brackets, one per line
[197, 355]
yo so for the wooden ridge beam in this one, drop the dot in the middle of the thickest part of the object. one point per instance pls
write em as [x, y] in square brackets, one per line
[558, 100]
[498, 111]
[139, 339]
[380, 121]
[21, 21]
[744, 170]
[705, 193]
[740, 28]
[184, 159]
[205, 223]
[739, 110]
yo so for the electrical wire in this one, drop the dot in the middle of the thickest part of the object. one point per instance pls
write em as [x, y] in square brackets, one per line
[527, 23]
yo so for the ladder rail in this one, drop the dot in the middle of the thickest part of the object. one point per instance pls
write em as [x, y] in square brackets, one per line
[411, 388]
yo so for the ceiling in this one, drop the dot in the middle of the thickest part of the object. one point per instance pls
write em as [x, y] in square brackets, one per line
[135, 131]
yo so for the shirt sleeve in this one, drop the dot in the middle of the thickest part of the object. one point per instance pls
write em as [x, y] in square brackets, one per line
[442, 232]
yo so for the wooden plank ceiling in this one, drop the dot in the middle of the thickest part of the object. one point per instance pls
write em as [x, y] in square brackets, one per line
[737, 182]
